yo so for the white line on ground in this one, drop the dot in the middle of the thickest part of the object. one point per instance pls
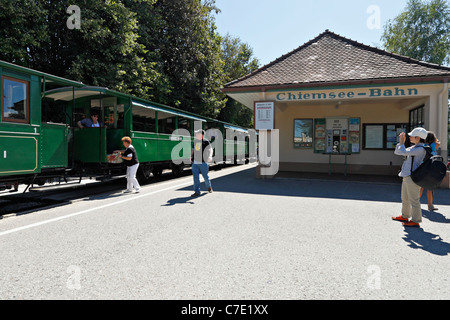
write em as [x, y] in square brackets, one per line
[132, 197]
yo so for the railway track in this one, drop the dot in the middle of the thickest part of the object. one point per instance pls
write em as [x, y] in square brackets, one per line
[38, 198]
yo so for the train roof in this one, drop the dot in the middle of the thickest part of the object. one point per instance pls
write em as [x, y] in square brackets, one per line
[69, 93]
[74, 89]
[45, 76]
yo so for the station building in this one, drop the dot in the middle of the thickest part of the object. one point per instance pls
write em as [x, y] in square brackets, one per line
[340, 105]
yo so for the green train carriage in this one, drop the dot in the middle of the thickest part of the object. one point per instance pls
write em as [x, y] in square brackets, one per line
[29, 145]
[150, 125]
[39, 137]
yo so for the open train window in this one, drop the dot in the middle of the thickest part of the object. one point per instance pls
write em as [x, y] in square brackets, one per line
[54, 111]
[184, 123]
[166, 122]
[144, 119]
[16, 100]
[110, 113]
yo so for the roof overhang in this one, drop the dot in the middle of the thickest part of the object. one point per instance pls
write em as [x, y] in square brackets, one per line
[352, 91]
[344, 83]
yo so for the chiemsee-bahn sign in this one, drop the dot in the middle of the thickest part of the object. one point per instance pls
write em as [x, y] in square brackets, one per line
[347, 94]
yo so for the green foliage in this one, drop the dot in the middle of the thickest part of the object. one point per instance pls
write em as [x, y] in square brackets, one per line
[106, 52]
[188, 49]
[22, 30]
[164, 50]
[239, 61]
[422, 32]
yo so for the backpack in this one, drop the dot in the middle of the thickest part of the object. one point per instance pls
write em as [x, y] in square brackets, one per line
[431, 172]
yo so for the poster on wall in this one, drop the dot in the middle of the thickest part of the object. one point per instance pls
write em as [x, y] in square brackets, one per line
[337, 135]
[383, 136]
[320, 135]
[303, 133]
[373, 137]
[392, 134]
[264, 115]
[354, 136]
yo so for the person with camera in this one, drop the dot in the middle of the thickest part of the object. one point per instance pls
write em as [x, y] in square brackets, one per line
[410, 191]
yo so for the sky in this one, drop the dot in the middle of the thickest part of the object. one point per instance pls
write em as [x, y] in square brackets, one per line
[275, 27]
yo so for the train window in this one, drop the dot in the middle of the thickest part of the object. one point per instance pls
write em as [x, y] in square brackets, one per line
[109, 116]
[166, 122]
[53, 111]
[184, 123]
[121, 116]
[16, 101]
[144, 119]
[109, 106]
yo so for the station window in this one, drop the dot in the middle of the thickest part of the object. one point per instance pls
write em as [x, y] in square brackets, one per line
[382, 136]
[144, 119]
[16, 100]
[166, 122]
[417, 118]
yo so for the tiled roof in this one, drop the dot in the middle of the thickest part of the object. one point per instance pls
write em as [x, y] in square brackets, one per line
[331, 58]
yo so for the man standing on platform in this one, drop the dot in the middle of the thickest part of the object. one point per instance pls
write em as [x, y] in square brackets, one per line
[201, 155]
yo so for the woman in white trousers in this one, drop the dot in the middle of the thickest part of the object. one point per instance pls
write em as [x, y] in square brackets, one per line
[130, 159]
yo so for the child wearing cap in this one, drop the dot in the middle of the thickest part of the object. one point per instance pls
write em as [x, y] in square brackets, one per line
[410, 191]
[434, 143]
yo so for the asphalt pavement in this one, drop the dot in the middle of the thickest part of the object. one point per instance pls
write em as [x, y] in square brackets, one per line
[280, 239]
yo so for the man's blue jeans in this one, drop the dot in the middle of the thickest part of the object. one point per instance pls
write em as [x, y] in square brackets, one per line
[202, 168]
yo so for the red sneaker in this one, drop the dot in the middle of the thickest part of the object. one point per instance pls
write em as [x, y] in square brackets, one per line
[400, 218]
[411, 224]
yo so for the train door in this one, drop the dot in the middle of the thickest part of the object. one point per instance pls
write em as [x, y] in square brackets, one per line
[54, 135]
[113, 115]
[92, 145]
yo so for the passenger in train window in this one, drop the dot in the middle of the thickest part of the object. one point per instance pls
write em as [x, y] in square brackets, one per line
[91, 122]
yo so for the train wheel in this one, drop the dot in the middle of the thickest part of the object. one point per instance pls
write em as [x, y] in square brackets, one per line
[157, 172]
[177, 170]
[144, 173]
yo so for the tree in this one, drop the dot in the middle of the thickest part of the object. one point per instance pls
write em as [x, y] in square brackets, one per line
[422, 32]
[167, 51]
[180, 38]
[239, 61]
[104, 52]
[193, 59]
[22, 30]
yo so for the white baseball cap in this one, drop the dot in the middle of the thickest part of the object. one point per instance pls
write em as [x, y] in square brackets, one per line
[419, 132]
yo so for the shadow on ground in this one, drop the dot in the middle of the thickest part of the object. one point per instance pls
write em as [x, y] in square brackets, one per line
[419, 239]
[364, 188]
